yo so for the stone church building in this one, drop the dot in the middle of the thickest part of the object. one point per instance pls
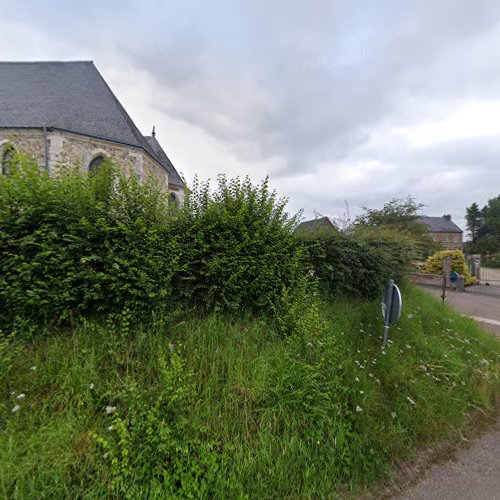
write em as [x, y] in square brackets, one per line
[65, 113]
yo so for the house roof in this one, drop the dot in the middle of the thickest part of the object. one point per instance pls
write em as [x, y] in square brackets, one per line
[311, 226]
[71, 96]
[442, 224]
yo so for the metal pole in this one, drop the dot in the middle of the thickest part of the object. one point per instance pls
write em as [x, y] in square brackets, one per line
[387, 314]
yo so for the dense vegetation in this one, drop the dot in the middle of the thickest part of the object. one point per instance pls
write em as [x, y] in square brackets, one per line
[484, 227]
[153, 350]
[434, 265]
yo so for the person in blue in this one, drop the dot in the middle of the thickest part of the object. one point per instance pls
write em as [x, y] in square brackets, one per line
[453, 279]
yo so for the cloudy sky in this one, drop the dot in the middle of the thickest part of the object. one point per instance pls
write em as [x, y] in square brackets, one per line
[337, 101]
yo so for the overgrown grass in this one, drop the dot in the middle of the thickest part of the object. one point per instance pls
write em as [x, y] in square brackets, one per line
[240, 409]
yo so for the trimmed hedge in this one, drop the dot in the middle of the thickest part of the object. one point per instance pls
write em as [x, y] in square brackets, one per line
[72, 245]
[357, 267]
[75, 245]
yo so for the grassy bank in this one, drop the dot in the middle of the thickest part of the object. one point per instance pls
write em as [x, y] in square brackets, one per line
[224, 405]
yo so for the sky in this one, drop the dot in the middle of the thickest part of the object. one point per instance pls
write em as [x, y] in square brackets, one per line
[343, 104]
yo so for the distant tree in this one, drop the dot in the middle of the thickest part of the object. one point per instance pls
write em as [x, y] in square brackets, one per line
[491, 214]
[475, 220]
[398, 216]
[486, 237]
[397, 213]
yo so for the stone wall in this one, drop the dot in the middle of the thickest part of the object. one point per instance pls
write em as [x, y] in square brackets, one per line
[449, 241]
[78, 150]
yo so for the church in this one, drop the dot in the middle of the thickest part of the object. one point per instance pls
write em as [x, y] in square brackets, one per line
[65, 113]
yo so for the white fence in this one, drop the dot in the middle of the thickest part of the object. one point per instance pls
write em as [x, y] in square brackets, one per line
[490, 275]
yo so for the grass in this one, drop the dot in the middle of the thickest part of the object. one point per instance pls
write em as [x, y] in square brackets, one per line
[281, 417]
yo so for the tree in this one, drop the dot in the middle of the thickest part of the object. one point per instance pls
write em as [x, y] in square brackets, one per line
[400, 217]
[475, 220]
[398, 214]
[492, 216]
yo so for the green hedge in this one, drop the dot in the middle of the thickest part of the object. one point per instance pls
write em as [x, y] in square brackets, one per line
[72, 244]
[357, 267]
[237, 248]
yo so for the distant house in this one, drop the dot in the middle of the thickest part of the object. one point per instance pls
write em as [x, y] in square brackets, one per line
[65, 113]
[444, 231]
[316, 226]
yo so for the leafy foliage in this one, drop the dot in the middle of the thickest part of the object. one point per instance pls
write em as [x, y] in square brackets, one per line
[484, 226]
[357, 267]
[434, 264]
[399, 217]
[237, 249]
[72, 244]
[154, 449]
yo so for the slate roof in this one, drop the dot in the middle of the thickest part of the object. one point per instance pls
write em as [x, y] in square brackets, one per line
[442, 224]
[70, 96]
[311, 226]
[173, 177]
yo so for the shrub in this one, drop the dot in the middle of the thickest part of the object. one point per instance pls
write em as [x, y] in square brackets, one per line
[434, 265]
[237, 248]
[357, 267]
[72, 244]
[493, 262]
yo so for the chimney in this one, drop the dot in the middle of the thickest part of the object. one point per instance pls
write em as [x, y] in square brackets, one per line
[447, 217]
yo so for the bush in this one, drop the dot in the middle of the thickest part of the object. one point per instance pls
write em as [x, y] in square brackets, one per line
[493, 262]
[434, 265]
[357, 267]
[237, 248]
[73, 244]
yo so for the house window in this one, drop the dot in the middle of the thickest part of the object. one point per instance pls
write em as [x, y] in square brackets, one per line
[173, 197]
[8, 159]
[95, 164]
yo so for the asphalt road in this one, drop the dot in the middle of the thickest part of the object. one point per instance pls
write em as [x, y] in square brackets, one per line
[481, 302]
[474, 472]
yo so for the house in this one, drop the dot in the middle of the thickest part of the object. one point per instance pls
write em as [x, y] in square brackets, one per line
[320, 225]
[65, 113]
[444, 231]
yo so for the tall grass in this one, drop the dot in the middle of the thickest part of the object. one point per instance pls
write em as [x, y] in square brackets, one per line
[258, 414]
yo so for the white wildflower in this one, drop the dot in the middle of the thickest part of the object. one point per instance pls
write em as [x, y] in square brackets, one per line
[393, 414]
[16, 408]
[21, 396]
[91, 386]
[33, 368]
[106, 455]
[356, 379]
[171, 346]
[411, 400]
[361, 392]
[110, 409]
[359, 409]
[309, 344]
[110, 428]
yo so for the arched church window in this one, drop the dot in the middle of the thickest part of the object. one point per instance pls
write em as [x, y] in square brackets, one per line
[8, 158]
[95, 164]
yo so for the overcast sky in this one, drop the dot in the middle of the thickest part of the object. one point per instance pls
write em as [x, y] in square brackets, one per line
[360, 101]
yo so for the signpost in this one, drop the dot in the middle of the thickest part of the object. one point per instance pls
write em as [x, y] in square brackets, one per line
[392, 305]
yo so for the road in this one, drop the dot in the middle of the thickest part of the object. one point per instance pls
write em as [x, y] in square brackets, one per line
[474, 472]
[481, 302]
